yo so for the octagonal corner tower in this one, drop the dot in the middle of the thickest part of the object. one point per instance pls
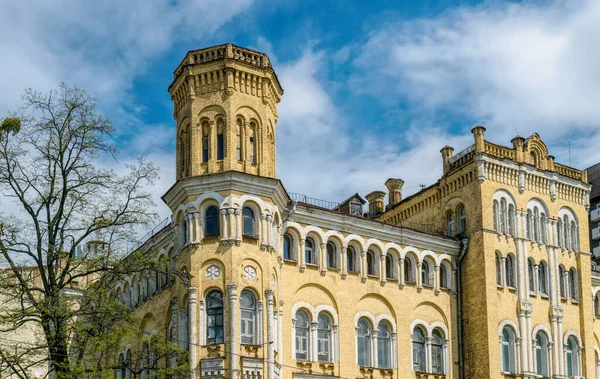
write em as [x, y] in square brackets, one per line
[225, 105]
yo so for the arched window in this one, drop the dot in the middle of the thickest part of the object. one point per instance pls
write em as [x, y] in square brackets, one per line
[437, 352]
[543, 278]
[324, 338]
[532, 160]
[544, 228]
[331, 255]
[220, 139]
[384, 346]
[566, 234]
[528, 231]
[541, 355]
[510, 271]
[498, 269]
[511, 220]
[559, 233]
[561, 279]
[450, 224]
[205, 150]
[371, 263]
[351, 259]
[444, 277]
[572, 353]
[287, 246]
[128, 370]
[309, 251]
[426, 277]
[389, 266]
[508, 350]
[418, 349]
[496, 215]
[536, 225]
[252, 142]
[531, 272]
[248, 226]
[462, 220]
[409, 276]
[363, 343]
[573, 285]
[211, 221]
[214, 318]
[574, 239]
[596, 306]
[248, 318]
[238, 140]
[503, 217]
[302, 336]
[122, 371]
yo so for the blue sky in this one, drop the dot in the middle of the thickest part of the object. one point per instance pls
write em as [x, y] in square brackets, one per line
[373, 89]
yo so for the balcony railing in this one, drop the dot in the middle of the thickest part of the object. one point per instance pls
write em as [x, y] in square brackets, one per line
[150, 234]
[596, 251]
[596, 233]
[595, 215]
[331, 205]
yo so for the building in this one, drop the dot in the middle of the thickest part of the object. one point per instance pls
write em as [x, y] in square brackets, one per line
[485, 274]
[594, 179]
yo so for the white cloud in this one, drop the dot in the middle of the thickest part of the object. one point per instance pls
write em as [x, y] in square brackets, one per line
[517, 68]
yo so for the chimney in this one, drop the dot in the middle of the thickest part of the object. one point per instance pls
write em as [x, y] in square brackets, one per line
[394, 187]
[375, 200]
[478, 133]
[518, 142]
[446, 155]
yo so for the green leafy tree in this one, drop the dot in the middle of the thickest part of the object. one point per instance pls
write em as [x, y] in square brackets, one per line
[55, 282]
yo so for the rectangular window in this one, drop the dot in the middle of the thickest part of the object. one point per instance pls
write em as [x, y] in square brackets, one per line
[239, 147]
[252, 151]
[220, 147]
[323, 346]
[301, 344]
[215, 327]
[247, 326]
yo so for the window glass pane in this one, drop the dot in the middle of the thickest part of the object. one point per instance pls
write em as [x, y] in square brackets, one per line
[302, 335]
[383, 346]
[211, 222]
[220, 146]
[364, 343]
[248, 222]
[286, 247]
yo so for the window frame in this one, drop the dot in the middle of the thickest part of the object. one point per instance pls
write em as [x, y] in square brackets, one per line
[304, 339]
[249, 319]
[324, 339]
[366, 338]
[419, 350]
[211, 221]
[216, 313]
[249, 220]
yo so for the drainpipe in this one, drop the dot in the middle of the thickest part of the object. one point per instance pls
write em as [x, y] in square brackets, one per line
[463, 252]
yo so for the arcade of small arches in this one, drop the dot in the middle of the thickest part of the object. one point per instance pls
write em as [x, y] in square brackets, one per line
[569, 360]
[456, 221]
[310, 247]
[535, 222]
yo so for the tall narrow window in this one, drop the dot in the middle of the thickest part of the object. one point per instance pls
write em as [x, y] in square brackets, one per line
[363, 343]
[220, 140]
[450, 224]
[503, 218]
[324, 338]
[214, 318]
[309, 251]
[543, 278]
[531, 272]
[287, 245]
[511, 220]
[418, 348]
[302, 336]
[425, 274]
[541, 355]
[389, 266]
[566, 234]
[498, 269]
[528, 231]
[351, 259]
[496, 215]
[384, 346]
[238, 140]
[211, 222]
[573, 285]
[252, 143]
[561, 279]
[408, 271]
[544, 228]
[508, 350]
[248, 318]
[536, 225]
[205, 150]
[371, 263]
[559, 230]
[574, 239]
[444, 277]
[248, 216]
[437, 352]
[331, 255]
[572, 352]
[462, 220]
[510, 271]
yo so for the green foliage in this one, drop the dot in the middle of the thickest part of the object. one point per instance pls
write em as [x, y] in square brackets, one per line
[10, 124]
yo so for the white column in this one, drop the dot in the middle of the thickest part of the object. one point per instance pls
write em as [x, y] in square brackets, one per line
[563, 370]
[314, 352]
[233, 330]
[188, 224]
[418, 278]
[270, 335]
[436, 279]
[555, 347]
[201, 323]
[174, 321]
[531, 346]
[536, 278]
[193, 327]
[263, 228]
[382, 270]
[176, 237]
[394, 352]
[363, 263]
[302, 255]
[269, 231]
[503, 272]
[323, 258]
[232, 224]
[401, 273]
[428, 359]
[344, 262]
[197, 230]
[259, 324]
[280, 330]
[223, 225]
[238, 226]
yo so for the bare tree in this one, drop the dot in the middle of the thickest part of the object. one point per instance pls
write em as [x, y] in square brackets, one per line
[52, 153]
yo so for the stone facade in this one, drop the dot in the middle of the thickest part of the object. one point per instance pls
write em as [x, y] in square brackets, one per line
[458, 279]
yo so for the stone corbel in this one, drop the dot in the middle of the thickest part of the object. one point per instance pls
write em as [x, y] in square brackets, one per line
[553, 190]
[521, 181]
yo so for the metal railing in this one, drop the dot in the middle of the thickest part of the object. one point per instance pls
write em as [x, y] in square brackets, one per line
[331, 205]
[150, 234]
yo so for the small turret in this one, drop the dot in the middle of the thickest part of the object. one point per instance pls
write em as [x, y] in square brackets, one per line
[375, 200]
[394, 187]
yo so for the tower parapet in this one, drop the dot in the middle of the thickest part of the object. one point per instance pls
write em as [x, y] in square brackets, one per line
[225, 105]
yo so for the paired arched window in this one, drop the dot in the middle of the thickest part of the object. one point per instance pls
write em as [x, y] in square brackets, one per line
[238, 139]
[205, 149]
[418, 350]
[572, 353]
[220, 139]
[310, 256]
[426, 274]
[541, 355]
[503, 212]
[302, 335]
[384, 346]
[437, 352]
[462, 220]
[252, 142]
[573, 284]
[211, 221]
[531, 271]
[248, 222]
[508, 350]
[371, 262]
[389, 266]
[498, 269]
[510, 271]
[351, 259]
[409, 273]
[450, 224]
[324, 338]
[248, 316]
[561, 278]
[287, 247]
[331, 255]
[214, 318]
[543, 278]
[363, 343]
